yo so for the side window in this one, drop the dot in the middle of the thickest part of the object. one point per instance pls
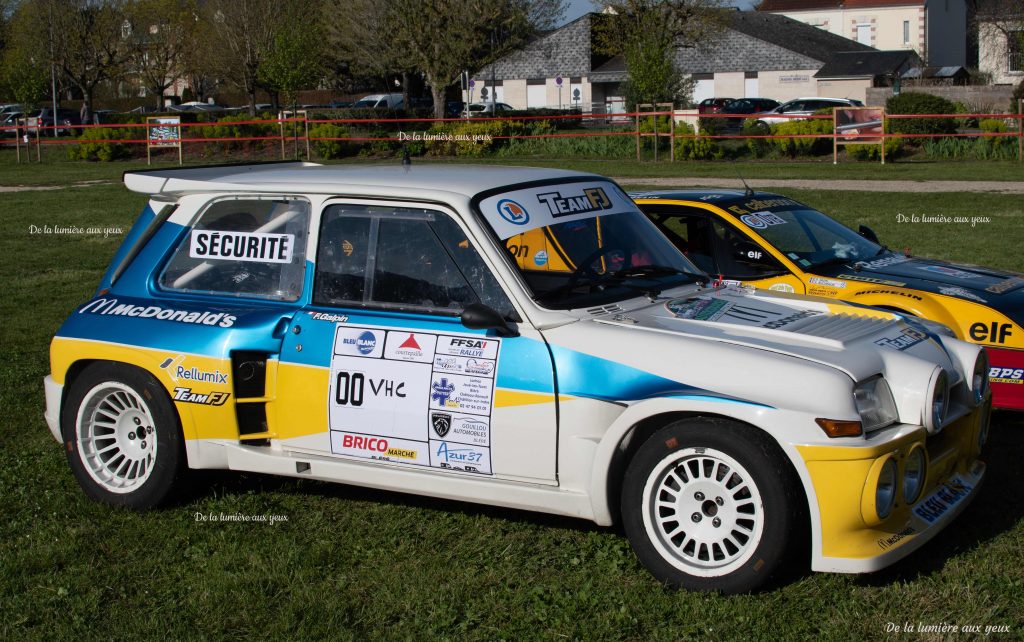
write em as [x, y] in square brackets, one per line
[690, 234]
[243, 247]
[739, 257]
[400, 257]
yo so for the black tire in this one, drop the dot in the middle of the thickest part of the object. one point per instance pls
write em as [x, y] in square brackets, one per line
[729, 511]
[122, 436]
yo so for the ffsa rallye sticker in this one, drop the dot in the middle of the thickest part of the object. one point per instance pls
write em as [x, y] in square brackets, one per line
[408, 396]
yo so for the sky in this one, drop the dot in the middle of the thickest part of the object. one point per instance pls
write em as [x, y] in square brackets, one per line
[576, 8]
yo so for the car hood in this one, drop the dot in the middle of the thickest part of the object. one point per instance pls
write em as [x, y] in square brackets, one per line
[999, 288]
[859, 341]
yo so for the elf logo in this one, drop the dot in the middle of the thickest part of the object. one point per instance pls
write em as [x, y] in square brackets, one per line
[993, 333]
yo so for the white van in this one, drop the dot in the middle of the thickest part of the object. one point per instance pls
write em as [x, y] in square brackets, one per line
[380, 101]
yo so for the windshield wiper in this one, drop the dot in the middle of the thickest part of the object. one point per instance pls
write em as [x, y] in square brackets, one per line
[652, 271]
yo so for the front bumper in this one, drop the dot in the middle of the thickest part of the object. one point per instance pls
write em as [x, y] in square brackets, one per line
[54, 395]
[851, 539]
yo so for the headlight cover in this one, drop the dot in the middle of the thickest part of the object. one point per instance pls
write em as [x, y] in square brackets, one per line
[915, 469]
[885, 491]
[979, 378]
[936, 402]
[875, 404]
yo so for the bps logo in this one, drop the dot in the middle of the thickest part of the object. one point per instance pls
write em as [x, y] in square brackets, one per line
[513, 212]
[1006, 375]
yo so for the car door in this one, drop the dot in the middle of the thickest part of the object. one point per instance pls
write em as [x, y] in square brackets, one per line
[379, 367]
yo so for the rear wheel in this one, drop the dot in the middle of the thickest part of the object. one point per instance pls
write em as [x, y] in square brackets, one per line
[710, 504]
[123, 438]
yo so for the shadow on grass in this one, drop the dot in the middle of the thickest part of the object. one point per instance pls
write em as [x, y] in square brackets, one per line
[208, 484]
[998, 507]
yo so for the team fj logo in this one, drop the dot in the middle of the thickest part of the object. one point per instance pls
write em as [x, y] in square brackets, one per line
[593, 199]
[441, 422]
[442, 391]
[513, 212]
[209, 399]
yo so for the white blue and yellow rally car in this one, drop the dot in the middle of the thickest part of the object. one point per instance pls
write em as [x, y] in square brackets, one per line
[518, 337]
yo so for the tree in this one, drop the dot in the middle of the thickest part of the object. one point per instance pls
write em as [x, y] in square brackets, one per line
[295, 60]
[246, 30]
[362, 46]
[86, 39]
[25, 74]
[646, 33]
[441, 38]
[162, 32]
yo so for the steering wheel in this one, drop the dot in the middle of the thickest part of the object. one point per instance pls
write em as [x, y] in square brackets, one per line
[585, 267]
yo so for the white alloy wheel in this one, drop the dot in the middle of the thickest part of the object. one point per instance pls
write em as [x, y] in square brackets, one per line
[703, 512]
[122, 436]
[116, 440]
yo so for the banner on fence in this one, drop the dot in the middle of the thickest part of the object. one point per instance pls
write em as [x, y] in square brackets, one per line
[163, 131]
[858, 126]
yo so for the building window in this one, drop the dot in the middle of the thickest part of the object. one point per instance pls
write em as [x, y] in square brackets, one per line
[1015, 50]
[906, 32]
[864, 34]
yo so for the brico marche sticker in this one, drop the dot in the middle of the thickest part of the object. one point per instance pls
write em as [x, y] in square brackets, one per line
[405, 396]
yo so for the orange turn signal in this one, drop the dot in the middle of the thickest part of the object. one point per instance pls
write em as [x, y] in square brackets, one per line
[836, 428]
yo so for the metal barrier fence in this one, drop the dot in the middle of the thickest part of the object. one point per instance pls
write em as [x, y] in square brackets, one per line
[29, 138]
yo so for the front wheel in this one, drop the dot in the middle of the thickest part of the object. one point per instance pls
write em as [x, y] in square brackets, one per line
[123, 437]
[710, 505]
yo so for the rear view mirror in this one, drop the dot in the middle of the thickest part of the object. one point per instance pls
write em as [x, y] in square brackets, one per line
[869, 234]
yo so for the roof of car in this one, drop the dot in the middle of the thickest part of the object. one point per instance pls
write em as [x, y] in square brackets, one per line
[300, 177]
[712, 196]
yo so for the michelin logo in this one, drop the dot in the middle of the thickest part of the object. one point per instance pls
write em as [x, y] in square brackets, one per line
[111, 307]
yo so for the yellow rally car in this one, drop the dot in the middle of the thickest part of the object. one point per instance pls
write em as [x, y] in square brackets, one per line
[774, 242]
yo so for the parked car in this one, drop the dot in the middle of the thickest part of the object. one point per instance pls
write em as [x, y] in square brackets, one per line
[489, 109]
[380, 101]
[9, 123]
[64, 123]
[713, 105]
[777, 243]
[739, 109]
[799, 108]
[517, 337]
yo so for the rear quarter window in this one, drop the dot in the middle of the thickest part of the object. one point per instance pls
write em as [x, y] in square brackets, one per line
[244, 247]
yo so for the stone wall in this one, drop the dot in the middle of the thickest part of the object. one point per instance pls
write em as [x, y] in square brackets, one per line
[986, 98]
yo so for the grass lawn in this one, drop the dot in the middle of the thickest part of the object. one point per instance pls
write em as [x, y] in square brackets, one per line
[357, 564]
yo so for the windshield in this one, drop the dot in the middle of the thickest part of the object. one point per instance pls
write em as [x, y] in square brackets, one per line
[584, 244]
[810, 238]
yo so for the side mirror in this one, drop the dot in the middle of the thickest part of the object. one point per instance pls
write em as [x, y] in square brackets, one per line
[477, 316]
[869, 234]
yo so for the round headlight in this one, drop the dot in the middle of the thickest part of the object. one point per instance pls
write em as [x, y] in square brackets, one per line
[979, 378]
[914, 470]
[885, 492]
[938, 402]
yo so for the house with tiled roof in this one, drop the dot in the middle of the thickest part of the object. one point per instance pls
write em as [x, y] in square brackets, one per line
[755, 55]
[935, 29]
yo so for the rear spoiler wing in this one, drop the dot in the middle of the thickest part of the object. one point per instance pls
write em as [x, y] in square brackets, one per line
[197, 179]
